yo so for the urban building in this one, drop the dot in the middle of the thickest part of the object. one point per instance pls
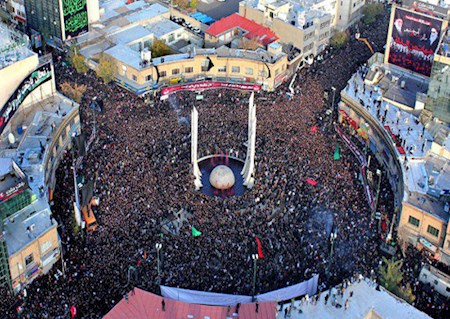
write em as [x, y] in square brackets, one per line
[60, 20]
[387, 101]
[305, 25]
[37, 124]
[125, 34]
[234, 29]
[438, 96]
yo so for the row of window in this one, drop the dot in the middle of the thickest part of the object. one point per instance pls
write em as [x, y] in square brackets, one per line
[431, 230]
[220, 69]
[324, 35]
[309, 36]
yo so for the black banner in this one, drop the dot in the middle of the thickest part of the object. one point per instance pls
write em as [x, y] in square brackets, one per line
[75, 17]
[39, 76]
[414, 40]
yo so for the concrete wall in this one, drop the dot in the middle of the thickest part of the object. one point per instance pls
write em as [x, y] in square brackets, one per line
[13, 75]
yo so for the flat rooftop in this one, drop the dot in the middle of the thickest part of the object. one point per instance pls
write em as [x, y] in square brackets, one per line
[428, 204]
[30, 147]
[19, 230]
[131, 34]
[14, 46]
[365, 299]
[151, 12]
[162, 27]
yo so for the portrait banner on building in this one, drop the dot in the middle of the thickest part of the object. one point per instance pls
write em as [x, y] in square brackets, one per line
[413, 40]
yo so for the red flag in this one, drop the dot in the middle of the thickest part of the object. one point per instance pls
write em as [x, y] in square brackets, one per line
[260, 253]
[314, 129]
[73, 311]
[311, 181]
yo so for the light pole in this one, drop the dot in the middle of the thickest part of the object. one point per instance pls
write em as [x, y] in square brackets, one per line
[332, 102]
[378, 189]
[255, 258]
[333, 236]
[158, 248]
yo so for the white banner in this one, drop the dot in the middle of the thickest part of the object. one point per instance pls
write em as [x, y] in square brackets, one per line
[217, 299]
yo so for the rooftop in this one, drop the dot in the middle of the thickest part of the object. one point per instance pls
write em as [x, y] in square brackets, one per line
[14, 46]
[428, 204]
[149, 13]
[253, 29]
[33, 221]
[366, 299]
[163, 27]
[130, 34]
[142, 304]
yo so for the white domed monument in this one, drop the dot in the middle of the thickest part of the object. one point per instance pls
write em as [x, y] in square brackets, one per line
[222, 177]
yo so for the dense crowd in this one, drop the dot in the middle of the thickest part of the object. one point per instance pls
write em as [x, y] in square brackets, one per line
[140, 164]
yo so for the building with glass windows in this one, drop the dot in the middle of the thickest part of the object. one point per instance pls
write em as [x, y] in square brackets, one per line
[438, 97]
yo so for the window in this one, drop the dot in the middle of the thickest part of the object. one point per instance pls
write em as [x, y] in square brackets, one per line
[235, 69]
[148, 78]
[414, 221]
[205, 65]
[189, 69]
[29, 260]
[263, 73]
[46, 246]
[249, 71]
[354, 4]
[222, 69]
[134, 77]
[433, 231]
[447, 289]
[175, 71]
[282, 67]
[277, 71]
[325, 24]
[308, 47]
[162, 74]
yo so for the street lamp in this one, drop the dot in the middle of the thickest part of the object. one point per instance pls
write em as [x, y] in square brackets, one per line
[378, 189]
[158, 248]
[332, 102]
[333, 236]
[255, 258]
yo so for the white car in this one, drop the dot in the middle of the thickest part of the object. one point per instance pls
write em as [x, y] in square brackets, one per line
[196, 30]
[221, 0]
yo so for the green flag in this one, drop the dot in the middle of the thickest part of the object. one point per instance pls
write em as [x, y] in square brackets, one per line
[195, 232]
[337, 153]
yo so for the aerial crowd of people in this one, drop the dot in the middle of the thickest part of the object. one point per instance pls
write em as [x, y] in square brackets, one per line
[140, 165]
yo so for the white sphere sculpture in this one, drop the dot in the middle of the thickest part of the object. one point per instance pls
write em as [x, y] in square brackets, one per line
[222, 177]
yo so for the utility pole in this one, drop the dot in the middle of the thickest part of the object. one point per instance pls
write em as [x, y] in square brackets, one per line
[255, 259]
[378, 189]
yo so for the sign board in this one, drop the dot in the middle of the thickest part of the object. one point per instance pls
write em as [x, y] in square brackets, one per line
[14, 190]
[75, 17]
[413, 40]
[39, 76]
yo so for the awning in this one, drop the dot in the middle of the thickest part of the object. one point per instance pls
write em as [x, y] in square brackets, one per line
[428, 245]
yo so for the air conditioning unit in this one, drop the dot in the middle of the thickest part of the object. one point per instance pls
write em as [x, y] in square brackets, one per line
[402, 84]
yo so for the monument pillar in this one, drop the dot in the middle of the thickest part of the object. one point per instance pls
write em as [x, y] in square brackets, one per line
[194, 151]
[249, 166]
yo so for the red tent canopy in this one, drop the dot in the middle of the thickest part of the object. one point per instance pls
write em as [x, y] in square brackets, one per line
[144, 305]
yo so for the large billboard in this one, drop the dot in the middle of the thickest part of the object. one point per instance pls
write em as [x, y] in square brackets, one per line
[75, 17]
[413, 40]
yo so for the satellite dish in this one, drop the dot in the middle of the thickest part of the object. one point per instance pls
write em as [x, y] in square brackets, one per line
[11, 138]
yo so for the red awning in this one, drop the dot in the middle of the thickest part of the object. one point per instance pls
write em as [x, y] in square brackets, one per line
[145, 305]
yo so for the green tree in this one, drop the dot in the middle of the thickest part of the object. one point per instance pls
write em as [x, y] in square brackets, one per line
[339, 39]
[79, 63]
[391, 277]
[106, 69]
[193, 4]
[371, 11]
[159, 48]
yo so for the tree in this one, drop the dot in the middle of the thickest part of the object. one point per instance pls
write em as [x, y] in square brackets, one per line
[159, 48]
[339, 39]
[106, 69]
[193, 4]
[74, 92]
[371, 12]
[79, 63]
[391, 277]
